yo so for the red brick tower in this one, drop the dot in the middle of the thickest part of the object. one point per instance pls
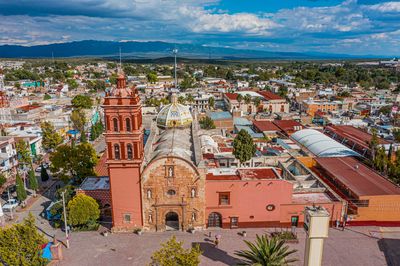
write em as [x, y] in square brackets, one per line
[124, 140]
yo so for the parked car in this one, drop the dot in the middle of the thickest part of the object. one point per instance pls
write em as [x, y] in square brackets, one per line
[47, 213]
[11, 205]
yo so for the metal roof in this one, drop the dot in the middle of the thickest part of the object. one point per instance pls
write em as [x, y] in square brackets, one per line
[321, 145]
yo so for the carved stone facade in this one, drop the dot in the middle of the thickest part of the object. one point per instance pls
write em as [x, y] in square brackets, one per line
[173, 195]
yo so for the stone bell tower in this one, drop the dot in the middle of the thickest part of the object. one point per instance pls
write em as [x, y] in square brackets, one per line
[124, 147]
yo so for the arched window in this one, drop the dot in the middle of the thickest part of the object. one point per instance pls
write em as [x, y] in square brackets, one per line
[115, 123]
[128, 125]
[117, 154]
[194, 216]
[193, 192]
[129, 151]
[149, 193]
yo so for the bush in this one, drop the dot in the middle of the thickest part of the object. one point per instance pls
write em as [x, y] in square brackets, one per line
[3, 180]
[284, 235]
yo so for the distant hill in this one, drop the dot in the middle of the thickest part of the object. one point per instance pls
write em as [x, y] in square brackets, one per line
[150, 50]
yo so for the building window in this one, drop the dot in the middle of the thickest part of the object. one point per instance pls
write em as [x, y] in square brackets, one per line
[294, 220]
[115, 123]
[127, 217]
[170, 171]
[149, 194]
[128, 125]
[194, 216]
[224, 198]
[234, 222]
[150, 218]
[117, 154]
[193, 193]
[171, 192]
[129, 151]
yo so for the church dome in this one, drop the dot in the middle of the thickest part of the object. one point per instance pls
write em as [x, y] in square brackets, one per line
[174, 115]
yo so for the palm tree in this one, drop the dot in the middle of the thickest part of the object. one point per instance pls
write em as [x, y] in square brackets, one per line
[266, 252]
[247, 98]
[239, 98]
[257, 101]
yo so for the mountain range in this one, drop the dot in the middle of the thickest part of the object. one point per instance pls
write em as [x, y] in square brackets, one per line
[152, 50]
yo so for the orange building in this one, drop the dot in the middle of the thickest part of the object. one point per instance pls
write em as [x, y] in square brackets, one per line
[312, 106]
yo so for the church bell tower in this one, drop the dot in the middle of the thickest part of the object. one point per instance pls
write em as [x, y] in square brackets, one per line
[124, 147]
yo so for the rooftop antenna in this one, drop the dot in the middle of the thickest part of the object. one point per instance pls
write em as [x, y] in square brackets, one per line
[175, 51]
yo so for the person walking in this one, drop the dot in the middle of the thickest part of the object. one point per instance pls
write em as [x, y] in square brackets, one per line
[217, 239]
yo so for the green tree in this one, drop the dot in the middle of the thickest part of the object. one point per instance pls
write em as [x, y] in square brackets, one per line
[181, 100]
[3, 180]
[239, 98]
[20, 244]
[23, 152]
[46, 97]
[186, 83]
[50, 137]
[243, 146]
[82, 101]
[152, 77]
[33, 182]
[189, 98]
[21, 192]
[44, 176]
[257, 101]
[266, 252]
[211, 102]
[247, 99]
[206, 123]
[172, 253]
[78, 120]
[396, 135]
[77, 161]
[83, 211]
[72, 84]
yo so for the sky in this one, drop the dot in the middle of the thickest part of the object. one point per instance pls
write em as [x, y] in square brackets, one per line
[357, 27]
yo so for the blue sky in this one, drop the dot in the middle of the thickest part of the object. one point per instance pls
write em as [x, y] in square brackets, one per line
[359, 27]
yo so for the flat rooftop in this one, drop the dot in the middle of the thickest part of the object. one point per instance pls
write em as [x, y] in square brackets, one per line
[310, 198]
[357, 177]
[242, 174]
[96, 183]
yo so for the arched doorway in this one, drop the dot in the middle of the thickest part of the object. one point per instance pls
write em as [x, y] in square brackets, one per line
[171, 221]
[214, 220]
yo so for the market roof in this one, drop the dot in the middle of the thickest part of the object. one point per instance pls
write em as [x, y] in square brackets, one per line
[360, 179]
[321, 145]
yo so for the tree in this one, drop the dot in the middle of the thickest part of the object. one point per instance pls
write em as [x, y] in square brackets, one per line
[77, 161]
[83, 211]
[72, 84]
[96, 130]
[187, 82]
[20, 244]
[189, 98]
[266, 252]
[33, 182]
[3, 180]
[239, 98]
[46, 97]
[23, 152]
[211, 102]
[50, 137]
[257, 101]
[44, 176]
[82, 101]
[181, 99]
[247, 99]
[21, 192]
[78, 120]
[396, 135]
[152, 77]
[243, 146]
[172, 253]
[206, 123]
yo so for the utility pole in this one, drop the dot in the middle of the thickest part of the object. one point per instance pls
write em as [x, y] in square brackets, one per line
[65, 219]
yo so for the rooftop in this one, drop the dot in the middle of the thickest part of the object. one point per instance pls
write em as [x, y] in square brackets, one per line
[265, 126]
[242, 174]
[95, 183]
[219, 115]
[360, 179]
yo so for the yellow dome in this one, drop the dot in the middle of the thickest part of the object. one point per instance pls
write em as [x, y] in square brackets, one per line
[174, 115]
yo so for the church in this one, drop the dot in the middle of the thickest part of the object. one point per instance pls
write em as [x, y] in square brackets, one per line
[159, 181]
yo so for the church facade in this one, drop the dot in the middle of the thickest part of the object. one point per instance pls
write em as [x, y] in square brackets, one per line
[164, 184]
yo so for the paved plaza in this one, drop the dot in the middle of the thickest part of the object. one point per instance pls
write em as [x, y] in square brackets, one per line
[354, 246]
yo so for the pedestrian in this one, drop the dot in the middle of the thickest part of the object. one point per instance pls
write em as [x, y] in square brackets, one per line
[217, 239]
[209, 234]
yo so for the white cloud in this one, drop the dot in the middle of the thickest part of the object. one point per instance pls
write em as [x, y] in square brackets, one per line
[385, 7]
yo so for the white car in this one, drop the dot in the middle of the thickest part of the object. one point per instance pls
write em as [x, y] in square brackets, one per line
[11, 204]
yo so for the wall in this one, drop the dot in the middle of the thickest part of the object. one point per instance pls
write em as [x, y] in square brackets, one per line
[126, 198]
[245, 193]
[381, 208]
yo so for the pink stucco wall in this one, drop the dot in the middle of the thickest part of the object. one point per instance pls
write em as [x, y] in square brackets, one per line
[126, 197]
[248, 200]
